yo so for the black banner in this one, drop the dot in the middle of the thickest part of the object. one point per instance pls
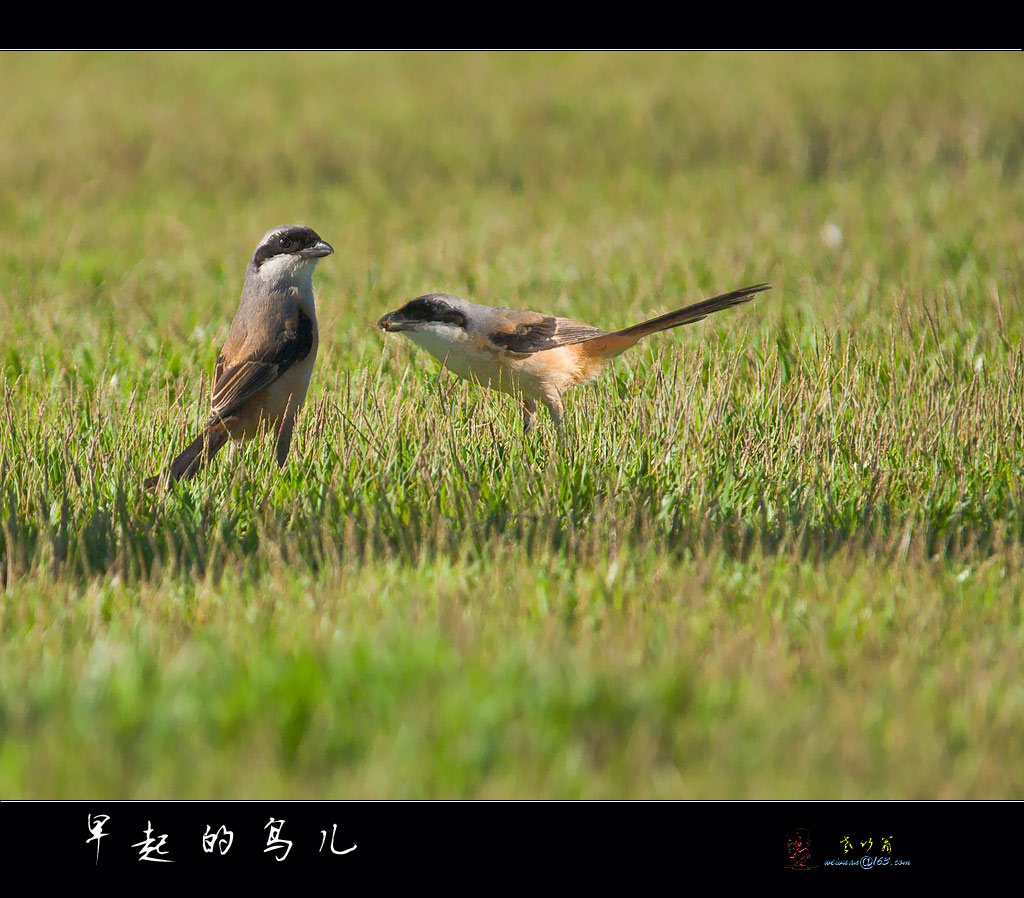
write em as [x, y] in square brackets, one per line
[390, 841]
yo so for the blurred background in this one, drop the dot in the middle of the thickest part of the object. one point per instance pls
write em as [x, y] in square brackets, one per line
[557, 180]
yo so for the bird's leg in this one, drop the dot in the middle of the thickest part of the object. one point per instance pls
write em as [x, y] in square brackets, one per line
[284, 439]
[284, 431]
[529, 414]
[553, 403]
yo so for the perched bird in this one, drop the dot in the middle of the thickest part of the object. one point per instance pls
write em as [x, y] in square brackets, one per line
[528, 354]
[263, 370]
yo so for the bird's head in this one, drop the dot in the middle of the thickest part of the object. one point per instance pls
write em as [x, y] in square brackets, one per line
[434, 313]
[289, 253]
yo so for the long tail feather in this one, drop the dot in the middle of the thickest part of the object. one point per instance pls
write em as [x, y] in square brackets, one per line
[612, 344]
[195, 455]
[693, 313]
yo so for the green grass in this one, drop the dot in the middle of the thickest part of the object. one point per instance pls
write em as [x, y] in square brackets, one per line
[780, 553]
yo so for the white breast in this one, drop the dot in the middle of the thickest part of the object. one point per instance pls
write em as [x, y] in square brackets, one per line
[453, 347]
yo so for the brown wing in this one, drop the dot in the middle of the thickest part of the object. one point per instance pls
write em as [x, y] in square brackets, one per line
[544, 332]
[234, 384]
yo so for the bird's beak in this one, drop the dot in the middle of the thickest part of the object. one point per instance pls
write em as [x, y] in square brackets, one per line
[318, 250]
[391, 323]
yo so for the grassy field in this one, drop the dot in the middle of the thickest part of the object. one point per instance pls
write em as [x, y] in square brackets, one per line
[780, 553]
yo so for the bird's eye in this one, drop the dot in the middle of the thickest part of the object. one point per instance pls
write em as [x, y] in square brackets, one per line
[284, 242]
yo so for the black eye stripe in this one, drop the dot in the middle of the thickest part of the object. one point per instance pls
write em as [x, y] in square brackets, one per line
[429, 309]
[422, 309]
[289, 241]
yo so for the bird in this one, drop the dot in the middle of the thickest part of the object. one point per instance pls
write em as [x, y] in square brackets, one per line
[530, 355]
[263, 370]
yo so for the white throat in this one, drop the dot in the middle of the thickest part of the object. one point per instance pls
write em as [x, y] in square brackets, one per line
[288, 270]
[441, 340]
